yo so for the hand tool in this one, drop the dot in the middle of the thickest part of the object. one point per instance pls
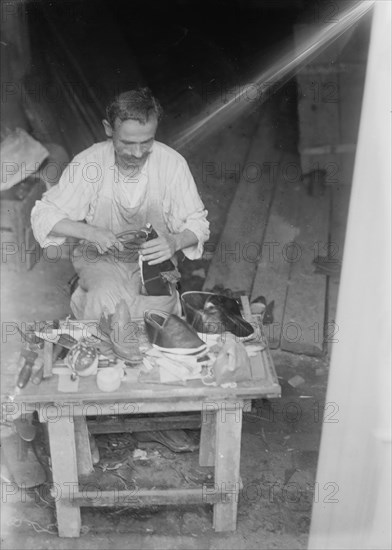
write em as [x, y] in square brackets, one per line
[27, 358]
[66, 341]
[59, 350]
[32, 339]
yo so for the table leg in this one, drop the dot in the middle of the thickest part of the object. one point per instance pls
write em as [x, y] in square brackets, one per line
[207, 439]
[65, 475]
[227, 464]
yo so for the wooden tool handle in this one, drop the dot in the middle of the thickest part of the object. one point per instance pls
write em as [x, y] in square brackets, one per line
[48, 359]
[38, 372]
[24, 375]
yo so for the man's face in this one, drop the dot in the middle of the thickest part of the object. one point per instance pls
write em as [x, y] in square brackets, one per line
[132, 141]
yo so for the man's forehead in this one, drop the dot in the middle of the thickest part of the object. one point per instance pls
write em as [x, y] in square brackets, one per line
[130, 126]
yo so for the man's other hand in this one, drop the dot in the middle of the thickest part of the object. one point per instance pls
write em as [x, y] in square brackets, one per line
[158, 250]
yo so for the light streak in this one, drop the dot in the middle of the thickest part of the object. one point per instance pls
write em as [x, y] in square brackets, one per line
[276, 75]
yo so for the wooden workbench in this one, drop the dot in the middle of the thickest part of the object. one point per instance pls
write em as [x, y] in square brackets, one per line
[65, 415]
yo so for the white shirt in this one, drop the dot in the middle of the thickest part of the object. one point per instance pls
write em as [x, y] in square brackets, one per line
[91, 188]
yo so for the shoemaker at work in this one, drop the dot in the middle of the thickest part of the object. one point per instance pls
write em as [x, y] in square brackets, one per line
[122, 184]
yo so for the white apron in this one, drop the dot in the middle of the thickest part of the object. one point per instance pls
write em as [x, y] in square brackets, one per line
[121, 204]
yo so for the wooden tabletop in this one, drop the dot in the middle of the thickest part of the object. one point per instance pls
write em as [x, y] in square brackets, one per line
[264, 383]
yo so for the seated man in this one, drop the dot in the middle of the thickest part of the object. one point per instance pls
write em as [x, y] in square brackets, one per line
[118, 185]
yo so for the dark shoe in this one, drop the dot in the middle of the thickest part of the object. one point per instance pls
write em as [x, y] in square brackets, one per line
[268, 317]
[211, 313]
[171, 333]
[157, 278]
[19, 463]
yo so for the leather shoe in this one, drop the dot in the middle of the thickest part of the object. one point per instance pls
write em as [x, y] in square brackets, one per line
[156, 278]
[171, 333]
[123, 344]
[211, 313]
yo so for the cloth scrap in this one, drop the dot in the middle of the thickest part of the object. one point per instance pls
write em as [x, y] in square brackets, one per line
[21, 155]
[66, 384]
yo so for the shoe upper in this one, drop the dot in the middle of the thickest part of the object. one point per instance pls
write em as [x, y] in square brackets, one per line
[167, 330]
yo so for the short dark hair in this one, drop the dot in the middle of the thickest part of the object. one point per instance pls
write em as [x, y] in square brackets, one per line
[138, 105]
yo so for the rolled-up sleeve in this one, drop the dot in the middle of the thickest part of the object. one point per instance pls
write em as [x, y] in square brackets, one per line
[69, 199]
[184, 209]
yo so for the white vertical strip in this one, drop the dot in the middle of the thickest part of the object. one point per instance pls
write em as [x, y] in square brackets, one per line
[353, 477]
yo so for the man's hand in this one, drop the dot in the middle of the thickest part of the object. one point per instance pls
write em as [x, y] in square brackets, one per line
[160, 249]
[103, 239]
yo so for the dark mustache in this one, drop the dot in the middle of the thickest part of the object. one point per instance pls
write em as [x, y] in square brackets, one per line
[136, 159]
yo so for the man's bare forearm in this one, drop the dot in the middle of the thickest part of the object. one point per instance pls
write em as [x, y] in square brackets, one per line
[184, 239]
[104, 239]
[71, 228]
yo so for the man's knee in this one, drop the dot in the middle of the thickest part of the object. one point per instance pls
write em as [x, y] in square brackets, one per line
[100, 280]
[105, 295]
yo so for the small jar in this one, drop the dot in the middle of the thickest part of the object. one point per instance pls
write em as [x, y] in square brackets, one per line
[109, 379]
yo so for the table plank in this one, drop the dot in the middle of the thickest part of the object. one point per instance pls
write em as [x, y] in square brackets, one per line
[265, 383]
[142, 397]
[237, 252]
[138, 498]
[273, 270]
[303, 322]
[148, 424]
